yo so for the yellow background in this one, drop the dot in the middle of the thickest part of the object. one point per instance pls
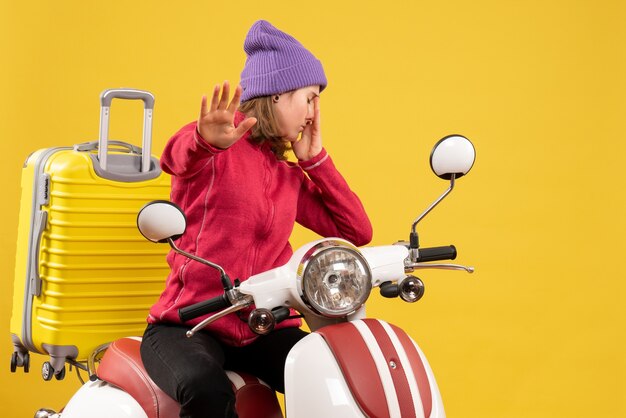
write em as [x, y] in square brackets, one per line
[538, 330]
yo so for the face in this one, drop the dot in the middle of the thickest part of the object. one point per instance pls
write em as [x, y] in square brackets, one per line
[294, 110]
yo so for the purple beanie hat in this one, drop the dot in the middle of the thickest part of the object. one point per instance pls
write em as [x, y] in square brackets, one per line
[277, 63]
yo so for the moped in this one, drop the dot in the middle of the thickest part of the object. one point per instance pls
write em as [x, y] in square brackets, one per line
[348, 366]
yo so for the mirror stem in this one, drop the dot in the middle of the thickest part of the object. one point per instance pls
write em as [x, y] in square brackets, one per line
[435, 203]
[226, 283]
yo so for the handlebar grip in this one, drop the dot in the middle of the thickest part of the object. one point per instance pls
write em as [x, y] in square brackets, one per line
[201, 308]
[437, 253]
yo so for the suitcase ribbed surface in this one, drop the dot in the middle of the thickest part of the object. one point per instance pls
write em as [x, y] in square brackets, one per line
[99, 275]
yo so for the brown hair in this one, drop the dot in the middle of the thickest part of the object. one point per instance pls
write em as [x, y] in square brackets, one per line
[266, 127]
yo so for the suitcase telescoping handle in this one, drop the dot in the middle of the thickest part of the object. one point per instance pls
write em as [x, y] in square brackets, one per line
[106, 98]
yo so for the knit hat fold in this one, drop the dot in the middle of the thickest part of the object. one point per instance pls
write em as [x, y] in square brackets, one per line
[276, 63]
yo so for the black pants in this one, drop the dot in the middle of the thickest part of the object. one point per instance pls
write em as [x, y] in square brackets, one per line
[191, 370]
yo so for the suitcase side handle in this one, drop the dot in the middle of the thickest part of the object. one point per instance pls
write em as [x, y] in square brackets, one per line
[106, 97]
[41, 220]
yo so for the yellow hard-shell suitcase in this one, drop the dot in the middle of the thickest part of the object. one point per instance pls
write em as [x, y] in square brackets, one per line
[84, 275]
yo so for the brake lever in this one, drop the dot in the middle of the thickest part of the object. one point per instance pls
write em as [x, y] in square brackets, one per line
[417, 266]
[242, 303]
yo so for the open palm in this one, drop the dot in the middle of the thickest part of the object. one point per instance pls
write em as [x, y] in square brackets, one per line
[216, 122]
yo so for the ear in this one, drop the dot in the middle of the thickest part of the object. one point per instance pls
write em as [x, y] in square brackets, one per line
[276, 98]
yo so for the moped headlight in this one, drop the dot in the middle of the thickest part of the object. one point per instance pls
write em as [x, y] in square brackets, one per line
[335, 279]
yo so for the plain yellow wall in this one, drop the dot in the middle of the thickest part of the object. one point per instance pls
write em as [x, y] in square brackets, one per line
[538, 330]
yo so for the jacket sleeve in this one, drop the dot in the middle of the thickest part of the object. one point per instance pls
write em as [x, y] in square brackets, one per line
[186, 153]
[327, 206]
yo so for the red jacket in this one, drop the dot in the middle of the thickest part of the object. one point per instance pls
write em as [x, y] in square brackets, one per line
[241, 205]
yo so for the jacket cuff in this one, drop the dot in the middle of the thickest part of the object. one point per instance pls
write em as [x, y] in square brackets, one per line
[202, 143]
[315, 161]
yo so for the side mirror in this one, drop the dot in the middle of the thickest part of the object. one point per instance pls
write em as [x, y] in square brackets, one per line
[160, 221]
[452, 155]
[163, 221]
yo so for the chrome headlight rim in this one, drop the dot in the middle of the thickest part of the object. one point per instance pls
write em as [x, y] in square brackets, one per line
[312, 254]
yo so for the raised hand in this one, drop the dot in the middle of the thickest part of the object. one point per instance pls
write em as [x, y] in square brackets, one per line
[310, 142]
[216, 123]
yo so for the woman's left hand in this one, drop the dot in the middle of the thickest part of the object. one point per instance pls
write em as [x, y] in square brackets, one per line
[310, 142]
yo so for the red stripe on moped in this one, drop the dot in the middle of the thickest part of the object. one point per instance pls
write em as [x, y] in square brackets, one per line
[419, 371]
[396, 368]
[358, 368]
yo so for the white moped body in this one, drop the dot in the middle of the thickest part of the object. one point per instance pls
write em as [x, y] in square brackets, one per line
[323, 378]
[355, 381]
[100, 399]
[348, 367]
[354, 368]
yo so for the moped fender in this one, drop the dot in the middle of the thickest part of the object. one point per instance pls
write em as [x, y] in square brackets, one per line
[357, 369]
[101, 400]
[314, 384]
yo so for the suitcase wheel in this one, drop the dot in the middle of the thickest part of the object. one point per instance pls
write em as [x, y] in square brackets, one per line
[14, 362]
[20, 361]
[60, 375]
[47, 371]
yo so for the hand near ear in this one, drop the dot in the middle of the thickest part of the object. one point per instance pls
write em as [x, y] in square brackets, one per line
[310, 142]
[216, 122]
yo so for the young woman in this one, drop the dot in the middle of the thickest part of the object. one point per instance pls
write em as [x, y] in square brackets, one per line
[242, 198]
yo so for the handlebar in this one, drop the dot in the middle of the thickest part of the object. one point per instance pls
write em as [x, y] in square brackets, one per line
[201, 308]
[447, 252]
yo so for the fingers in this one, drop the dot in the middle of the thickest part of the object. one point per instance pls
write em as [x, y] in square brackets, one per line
[216, 101]
[203, 107]
[244, 127]
[225, 93]
[234, 104]
[215, 97]
[316, 113]
[315, 146]
[220, 102]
